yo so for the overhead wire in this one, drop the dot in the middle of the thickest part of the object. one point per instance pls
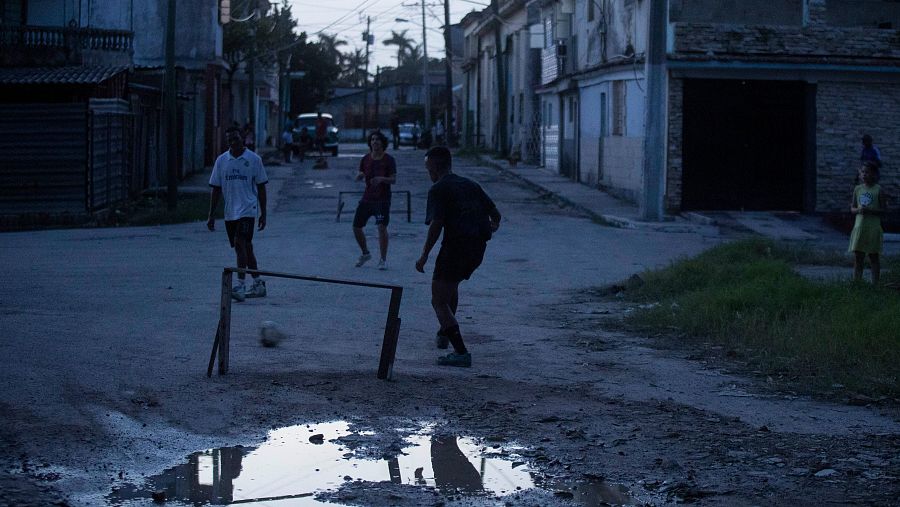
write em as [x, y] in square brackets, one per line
[345, 16]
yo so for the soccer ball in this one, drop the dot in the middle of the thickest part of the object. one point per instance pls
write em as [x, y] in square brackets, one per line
[270, 334]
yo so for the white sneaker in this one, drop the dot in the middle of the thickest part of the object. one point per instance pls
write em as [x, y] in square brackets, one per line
[382, 265]
[257, 289]
[239, 292]
[364, 258]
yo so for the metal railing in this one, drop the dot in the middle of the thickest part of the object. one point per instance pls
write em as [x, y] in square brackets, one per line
[66, 37]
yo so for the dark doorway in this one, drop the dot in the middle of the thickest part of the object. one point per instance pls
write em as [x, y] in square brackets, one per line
[744, 145]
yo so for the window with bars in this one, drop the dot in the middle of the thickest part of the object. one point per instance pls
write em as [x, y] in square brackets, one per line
[548, 32]
[618, 108]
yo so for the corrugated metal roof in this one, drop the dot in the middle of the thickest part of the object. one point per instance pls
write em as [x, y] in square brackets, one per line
[59, 75]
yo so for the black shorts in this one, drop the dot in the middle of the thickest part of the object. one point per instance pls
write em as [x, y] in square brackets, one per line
[458, 260]
[240, 228]
[380, 210]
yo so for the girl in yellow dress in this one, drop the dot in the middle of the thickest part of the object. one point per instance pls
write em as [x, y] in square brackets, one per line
[869, 205]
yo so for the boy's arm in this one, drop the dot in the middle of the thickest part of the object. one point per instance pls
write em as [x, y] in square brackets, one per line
[215, 194]
[261, 195]
[494, 215]
[434, 232]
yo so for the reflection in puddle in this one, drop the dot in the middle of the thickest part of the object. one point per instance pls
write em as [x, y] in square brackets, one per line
[296, 462]
[318, 184]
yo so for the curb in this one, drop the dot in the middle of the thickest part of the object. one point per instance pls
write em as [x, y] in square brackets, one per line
[603, 218]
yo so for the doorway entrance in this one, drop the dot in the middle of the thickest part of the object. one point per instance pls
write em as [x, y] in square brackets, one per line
[744, 145]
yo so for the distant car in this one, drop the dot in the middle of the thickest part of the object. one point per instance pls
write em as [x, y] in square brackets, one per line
[332, 137]
[407, 134]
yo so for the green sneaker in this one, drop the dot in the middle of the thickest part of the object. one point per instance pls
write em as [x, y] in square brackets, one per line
[454, 359]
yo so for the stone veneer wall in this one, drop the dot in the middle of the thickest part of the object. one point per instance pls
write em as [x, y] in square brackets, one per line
[811, 42]
[844, 112]
[674, 164]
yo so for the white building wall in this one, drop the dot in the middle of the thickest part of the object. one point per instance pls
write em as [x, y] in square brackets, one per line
[635, 99]
[110, 14]
[591, 131]
[550, 129]
[623, 155]
[198, 34]
[52, 12]
[488, 95]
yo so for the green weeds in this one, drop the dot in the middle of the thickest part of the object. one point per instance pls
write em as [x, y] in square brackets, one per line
[154, 211]
[746, 296]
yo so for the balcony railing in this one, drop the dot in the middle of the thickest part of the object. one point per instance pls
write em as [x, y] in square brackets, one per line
[63, 37]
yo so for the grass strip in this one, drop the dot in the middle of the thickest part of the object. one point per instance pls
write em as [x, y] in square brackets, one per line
[745, 296]
[153, 211]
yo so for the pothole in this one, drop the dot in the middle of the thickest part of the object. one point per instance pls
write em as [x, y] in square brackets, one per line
[297, 464]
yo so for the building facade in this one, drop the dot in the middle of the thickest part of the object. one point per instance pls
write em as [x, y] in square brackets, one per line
[92, 72]
[766, 99]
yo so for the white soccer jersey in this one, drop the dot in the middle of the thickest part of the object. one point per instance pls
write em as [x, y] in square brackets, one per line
[238, 177]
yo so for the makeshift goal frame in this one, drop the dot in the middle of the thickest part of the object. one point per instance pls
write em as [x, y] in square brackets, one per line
[223, 331]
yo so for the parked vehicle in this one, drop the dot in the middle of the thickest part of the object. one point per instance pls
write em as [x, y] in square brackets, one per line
[407, 134]
[332, 134]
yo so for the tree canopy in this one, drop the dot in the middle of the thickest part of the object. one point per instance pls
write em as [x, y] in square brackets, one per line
[269, 37]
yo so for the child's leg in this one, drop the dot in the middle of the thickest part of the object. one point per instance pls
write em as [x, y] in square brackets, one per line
[859, 262]
[876, 267]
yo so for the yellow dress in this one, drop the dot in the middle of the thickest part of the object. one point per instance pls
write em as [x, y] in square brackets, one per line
[867, 235]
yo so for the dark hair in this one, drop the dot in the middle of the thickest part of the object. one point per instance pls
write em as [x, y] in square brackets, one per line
[872, 166]
[440, 157]
[381, 137]
[233, 128]
[867, 138]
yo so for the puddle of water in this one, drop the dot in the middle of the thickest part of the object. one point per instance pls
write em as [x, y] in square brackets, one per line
[296, 462]
[318, 184]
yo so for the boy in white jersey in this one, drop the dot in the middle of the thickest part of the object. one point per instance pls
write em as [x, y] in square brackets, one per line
[239, 176]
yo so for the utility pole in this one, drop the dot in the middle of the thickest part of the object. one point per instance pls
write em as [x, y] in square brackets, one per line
[448, 55]
[251, 88]
[425, 82]
[377, 90]
[171, 115]
[502, 117]
[655, 128]
[365, 115]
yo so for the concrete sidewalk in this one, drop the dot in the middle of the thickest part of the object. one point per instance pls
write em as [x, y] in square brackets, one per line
[779, 226]
[592, 201]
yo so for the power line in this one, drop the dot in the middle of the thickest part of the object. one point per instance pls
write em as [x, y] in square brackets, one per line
[345, 16]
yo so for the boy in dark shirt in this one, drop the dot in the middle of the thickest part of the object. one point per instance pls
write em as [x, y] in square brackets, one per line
[468, 217]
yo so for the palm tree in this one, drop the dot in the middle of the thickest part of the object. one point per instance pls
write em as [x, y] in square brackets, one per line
[403, 43]
[412, 56]
[355, 67]
[331, 46]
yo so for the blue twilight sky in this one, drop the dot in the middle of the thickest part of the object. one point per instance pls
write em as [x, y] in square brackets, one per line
[347, 18]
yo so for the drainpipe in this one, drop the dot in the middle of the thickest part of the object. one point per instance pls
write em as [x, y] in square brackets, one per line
[501, 84]
[171, 117]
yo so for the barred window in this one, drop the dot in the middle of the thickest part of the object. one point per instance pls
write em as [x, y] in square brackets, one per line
[618, 107]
